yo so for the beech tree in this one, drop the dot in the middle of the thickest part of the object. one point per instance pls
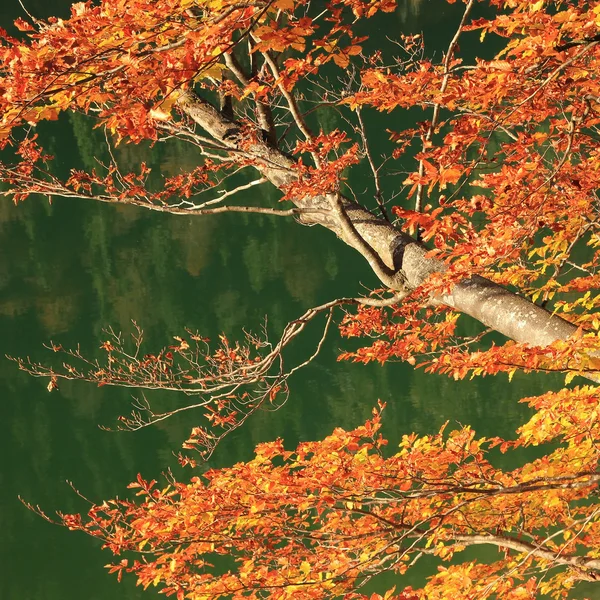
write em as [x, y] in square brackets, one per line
[495, 217]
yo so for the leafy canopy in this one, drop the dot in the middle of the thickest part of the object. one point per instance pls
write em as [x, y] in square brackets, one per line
[501, 180]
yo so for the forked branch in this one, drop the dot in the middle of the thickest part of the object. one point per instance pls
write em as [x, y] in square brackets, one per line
[229, 381]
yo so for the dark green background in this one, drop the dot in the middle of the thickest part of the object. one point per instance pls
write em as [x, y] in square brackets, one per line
[69, 269]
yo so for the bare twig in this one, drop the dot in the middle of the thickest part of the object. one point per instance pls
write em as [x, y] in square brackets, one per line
[374, 170]
[263, 110]
[292, 104]
[232, 382]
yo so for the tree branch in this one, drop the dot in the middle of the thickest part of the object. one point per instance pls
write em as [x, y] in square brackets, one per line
[436, 106]
[491, 304]
[292, 104]
[374, 170]
[263, 110]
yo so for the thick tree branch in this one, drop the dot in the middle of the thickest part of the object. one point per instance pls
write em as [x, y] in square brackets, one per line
[578, 562]
[491, 304]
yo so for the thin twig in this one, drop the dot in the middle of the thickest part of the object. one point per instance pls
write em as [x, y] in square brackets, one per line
[292, 104]
[374, 170]
[436, 106]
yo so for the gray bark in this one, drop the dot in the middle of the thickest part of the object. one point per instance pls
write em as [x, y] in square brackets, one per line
[397, 258]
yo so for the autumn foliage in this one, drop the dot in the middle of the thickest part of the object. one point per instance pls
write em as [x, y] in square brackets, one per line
[499, 181]
[321, 520]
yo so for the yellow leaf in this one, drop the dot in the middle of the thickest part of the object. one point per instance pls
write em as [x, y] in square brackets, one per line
[536, 6]
[162, 112]
[361, 455]
[214, 71]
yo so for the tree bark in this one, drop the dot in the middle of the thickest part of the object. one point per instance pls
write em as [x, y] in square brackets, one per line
[578, 562]
[402, 259]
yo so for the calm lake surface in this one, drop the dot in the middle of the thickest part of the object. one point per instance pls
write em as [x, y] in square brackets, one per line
[70, 269]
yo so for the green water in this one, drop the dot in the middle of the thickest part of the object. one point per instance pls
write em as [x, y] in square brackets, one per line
[69, 269]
